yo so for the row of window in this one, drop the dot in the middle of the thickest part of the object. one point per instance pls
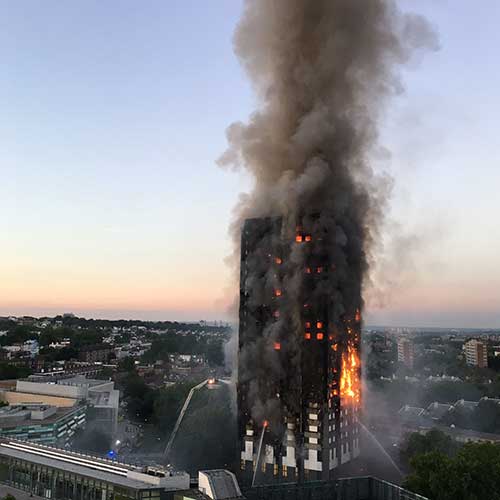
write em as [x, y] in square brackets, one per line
[58, 484]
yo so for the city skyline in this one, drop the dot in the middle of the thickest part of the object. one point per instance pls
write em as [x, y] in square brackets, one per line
[111, 187]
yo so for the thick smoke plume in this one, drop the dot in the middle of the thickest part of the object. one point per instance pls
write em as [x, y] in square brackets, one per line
[322, 71]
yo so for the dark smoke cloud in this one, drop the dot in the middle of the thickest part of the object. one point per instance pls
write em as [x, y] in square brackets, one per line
[322, 70]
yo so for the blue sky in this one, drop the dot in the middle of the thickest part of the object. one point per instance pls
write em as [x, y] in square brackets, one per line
[113, 114]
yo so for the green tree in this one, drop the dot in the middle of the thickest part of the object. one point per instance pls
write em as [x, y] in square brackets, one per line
[434, 440]
[126, 364]
[215, 353]
[140, 398]
[487, 416]
[472, 474]
[51, 354]
[168, 404]
[10, 372]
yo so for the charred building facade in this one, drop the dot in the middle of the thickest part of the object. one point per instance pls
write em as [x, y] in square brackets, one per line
[299, 339]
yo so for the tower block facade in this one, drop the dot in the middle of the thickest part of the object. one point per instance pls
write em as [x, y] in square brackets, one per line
[299, 361]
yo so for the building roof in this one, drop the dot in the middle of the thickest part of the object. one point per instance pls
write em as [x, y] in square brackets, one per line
[438, 410]
[491, 400]
[113, 472]
[96, 347]
[470, 405]
[222, 484]
[20, 415]
[457, 432]
[411, 411]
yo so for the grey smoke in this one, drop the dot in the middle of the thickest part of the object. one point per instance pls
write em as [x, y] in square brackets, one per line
[323, 71]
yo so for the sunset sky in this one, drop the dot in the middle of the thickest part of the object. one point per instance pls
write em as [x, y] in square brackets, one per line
[111, 203]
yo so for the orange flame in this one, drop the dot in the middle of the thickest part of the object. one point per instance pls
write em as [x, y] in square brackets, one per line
[358, 316]
[349, 379]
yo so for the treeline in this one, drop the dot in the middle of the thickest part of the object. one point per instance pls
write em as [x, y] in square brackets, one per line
[158, 407]
[10, 371]
[124, 323]
[77, 339]
[207, 436]
[16, 334]
[442, 469]
[174, 343]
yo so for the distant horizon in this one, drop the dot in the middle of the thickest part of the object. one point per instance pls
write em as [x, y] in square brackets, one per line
[113, 204]
[117, 317]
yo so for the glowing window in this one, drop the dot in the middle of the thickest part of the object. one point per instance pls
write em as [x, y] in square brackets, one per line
[320, 335]
[308, 270]
[277, 292]
[277, 346]
[319, 270]
[307, 336]
[308, 324]
[298, 238]
[308, 237]
[319, 324]
[278, 260]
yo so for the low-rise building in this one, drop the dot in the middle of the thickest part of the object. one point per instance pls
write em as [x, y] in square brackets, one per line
[64, 391]
[95, 353]
[60, 475]
[42, 423]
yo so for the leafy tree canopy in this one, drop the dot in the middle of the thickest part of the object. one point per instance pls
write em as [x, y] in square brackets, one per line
[472, 474]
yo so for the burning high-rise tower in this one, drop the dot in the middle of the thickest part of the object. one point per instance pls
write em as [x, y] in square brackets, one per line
[304, 235]
[298, 409]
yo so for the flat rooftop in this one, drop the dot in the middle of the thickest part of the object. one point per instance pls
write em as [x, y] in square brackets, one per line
[22, 420]
[85, 465]
[114, 472]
